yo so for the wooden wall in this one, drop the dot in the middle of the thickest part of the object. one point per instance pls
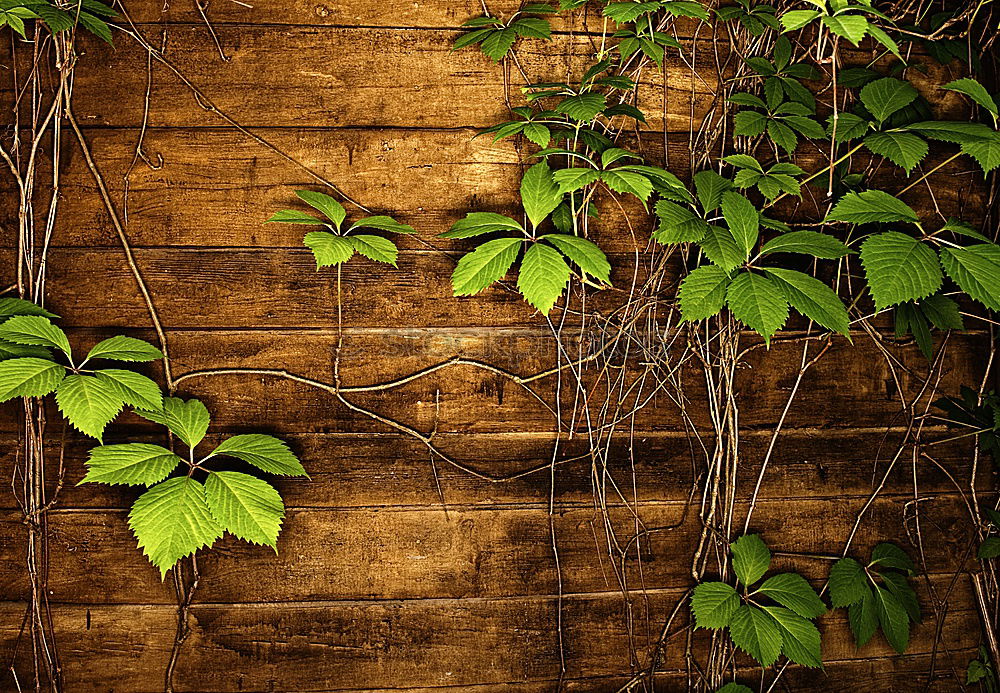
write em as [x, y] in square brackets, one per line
[378, 585]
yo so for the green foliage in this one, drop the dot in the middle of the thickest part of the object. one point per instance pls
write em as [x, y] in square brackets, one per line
[90, 14]
[877, 595]
[761, 629]
[970, 412]
[336, 246]
[496, 38]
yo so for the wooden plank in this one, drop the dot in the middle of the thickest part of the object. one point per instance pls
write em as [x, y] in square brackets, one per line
[377, 646]
[466, 552]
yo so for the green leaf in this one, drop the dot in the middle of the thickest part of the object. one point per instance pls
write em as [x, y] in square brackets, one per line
[757, 303]
[986, 152]
[479, 223]
[990, 548]
[628, 182]
[756, 633]
[584, 253]
[571, 179]
[245, 506]
[796, 19]
[849, 26]
[484, 265]
[813, 243]
[29, 377]
[904, 149]
[498, 43]
[18, 306]
[734, 688]
[543, 276]
[172, 520]
[863, 618]
[540, 194]
[265, 452]
[893, 619]
[812, 298]
[782, 135]
[382, 223]
[800, 639]
[885, 96]
[744, 161]
[899, 587]
[329, 249]
[329, 207]
[849, 127]
[975, 91]
[888, 555]
[537, 133]
[899, 268]
[848, 583]
[678, 224]
[532, 27]
[722, 249]
[88, 403]
[743, 220]
[879, 35]
[131, 464]
[131, 387]
[375, 248]
[35, 330]
[751, 558]
[582, 107]
[294, 216]
[976, 269]
[713, 604]
[121, 348]
[871, 206]
[709, 186]
[13, 351]
[703, 293]
[187, 420]
[792, 591]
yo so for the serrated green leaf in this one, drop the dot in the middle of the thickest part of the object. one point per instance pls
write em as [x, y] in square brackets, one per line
[863, 618]
[892, 618]
[796, 19]
[88, 403]
[812, 298]
[628, 182]
[590, 258]
[326, 205]
[885, 96]
[904, 149]
[532, 27]
[329, 249]
[571, 179]
[265, 452]
[751, 558]
[899, 268]
[484, 265]
[703, 293]
[18, 306]
[756, 633]
[886, 555]
[709, 187]
[899, 587]
[942, 312]
[9, 350]
[678, 224]
[985, 151]
[172, 520]
[976, 269]
[540, 194]
[121, 348]
[990, 548]
[131, 464]
[722, 249]
[849, 26]
[582, 107]
[35, 330]
[871, 206]
[479, 223]
[537, 133]
[498, 43]
[848, 583]
[800, 639]
[813, 243]
[849, 127]
[29, 377]
[975, 91]
[133, 388]
[294, 216]
[382, 223]
[247, 507]
[742, 218]
[757, 303]
[782, 135]
[188, 420]
[543, 276]
[792, 591]
[375, 248]
[713, 604]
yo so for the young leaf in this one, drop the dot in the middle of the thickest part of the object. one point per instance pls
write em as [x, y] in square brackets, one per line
[484, 265]
[245, 506]
[187, 420]
[812, 298]
[329, 249]
[871, 206]
[848, 583]
[975, 91]
[265, 452]
[885, 96]
[904, 149]
[35, 330]
[976, 269]
[703, 293]
[132, 388]
[29, 377]
[88, 403]
[540, 194]
[375, 248]
[329, 207]
[713, 604]
[757, 303]
[756, 633]
[813, 243]
[479, 223]
[584, 253]
[893, 619]
[899, 268]
[131, 464]
[751, 558]
[743, 219]
[800, 639]
[121, 348]
[543, 276]
[172, 520]
[792, 591]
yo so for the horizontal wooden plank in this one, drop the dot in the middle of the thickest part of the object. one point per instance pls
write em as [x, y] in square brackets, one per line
[464, 552]
[379, 646]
